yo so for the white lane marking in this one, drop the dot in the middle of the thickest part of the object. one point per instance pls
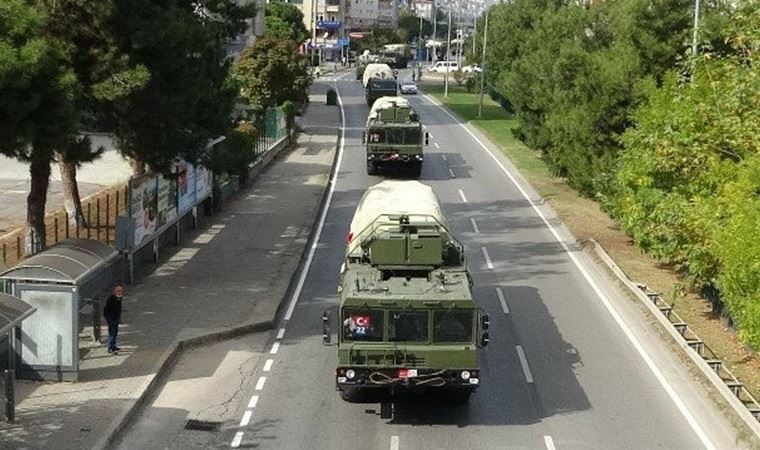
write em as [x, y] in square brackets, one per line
[394, 442]
[461, 195]
[281, 333]
[682, 408]
[524, 364]
[474, 225]
[487, 257]
[253, 402]
[436, 145]
[323, 216]
[451, 172]
[237, 440]
[268, 365]
[502, 300]
[549, 443]
[444, 158]
[260, 383]
[275, 347]
[246, 418]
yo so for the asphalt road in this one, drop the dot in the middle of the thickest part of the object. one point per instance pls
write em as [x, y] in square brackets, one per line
[573, 363]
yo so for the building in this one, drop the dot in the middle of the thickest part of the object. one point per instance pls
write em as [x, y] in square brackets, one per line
[325, 19]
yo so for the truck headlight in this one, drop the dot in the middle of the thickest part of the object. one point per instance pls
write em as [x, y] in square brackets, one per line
[350, 374]
[465, 375]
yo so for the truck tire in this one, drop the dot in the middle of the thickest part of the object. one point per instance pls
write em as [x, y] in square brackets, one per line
[352, 395]
[415, 169]
[371, 168]
[458, 396]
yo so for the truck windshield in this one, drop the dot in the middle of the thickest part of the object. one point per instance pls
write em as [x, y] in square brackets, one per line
[363, 325]
[376, 137]
[412, 136]
[386, 85]
[407, 326]
[452, 326]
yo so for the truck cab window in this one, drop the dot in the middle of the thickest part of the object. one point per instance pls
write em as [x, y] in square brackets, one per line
[407, 326]
[362, 325]
[452, 326]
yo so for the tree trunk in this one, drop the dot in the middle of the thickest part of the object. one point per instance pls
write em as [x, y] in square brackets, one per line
[138, 167]
[71, 199]
[35, 203]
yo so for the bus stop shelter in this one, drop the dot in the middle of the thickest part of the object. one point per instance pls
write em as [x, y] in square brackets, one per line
[58, 283]
[12, 312]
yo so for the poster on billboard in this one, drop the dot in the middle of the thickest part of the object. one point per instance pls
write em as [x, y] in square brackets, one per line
[185, 186]
[203, 183]
[167, 200]
[143, 205]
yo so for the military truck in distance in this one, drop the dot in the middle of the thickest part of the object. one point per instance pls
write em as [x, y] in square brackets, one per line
[378, 82]
[394, 137]
[407, 318]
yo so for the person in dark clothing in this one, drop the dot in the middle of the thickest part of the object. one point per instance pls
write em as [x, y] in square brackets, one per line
[112, 314]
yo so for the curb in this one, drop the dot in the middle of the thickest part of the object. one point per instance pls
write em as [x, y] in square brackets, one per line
[736, 405]
[172, 354]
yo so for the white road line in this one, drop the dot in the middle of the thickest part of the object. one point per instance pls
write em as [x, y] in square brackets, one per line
[451, 172]
[275, 347]
[268, 365]
[253, 402]
[281, 333]
[260, 383]
[237, 440]
[323, 216]
[685, 412]
[394, 442]
[549, 443]
[444, 158]
[524, 364]
[461, 195]
[246, 418]
[489, 264]
[502, 300]
[436, 145]
[474, 225]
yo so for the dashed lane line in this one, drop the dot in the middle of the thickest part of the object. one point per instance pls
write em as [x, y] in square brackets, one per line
[487, 257]
[502, 300]
[268, 365]
[275, 348]
[246, 418]
[237, 440]
[462, 196]
[394, 442]
[474, 225]
[253, 402]
[281, 333]
[260, 383]
[451, 172]
[549, 443]
[524, 364]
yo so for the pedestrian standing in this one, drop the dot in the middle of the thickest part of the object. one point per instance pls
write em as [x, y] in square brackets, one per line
[112, 314]
[414, 75]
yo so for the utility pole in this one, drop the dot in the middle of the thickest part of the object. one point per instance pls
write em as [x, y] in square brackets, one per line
[435, 34]
[419, 42]
[313, 29]
[448, 56]
[696, 30]
[474, 32]
[483, 66]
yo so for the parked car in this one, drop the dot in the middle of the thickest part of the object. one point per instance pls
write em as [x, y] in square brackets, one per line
[474, 68]
[408, 87]
[443, 66]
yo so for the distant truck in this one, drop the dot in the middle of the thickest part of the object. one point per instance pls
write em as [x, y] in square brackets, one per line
[397, 56]
[407, 317]
[394, 137]
[379, 81]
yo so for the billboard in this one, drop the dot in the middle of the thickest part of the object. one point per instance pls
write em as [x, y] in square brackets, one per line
[203, 183]
[167, 200]
[185, 186]
[143, 207]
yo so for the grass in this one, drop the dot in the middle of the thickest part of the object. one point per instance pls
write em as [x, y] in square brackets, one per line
[586, 220]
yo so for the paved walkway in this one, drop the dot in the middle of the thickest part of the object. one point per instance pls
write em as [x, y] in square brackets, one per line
[234, 272]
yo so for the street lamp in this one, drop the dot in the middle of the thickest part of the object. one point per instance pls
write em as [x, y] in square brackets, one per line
[696, 29]
[448, 56]
[483, 66]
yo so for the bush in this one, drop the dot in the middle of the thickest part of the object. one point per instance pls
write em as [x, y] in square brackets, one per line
[237, 153]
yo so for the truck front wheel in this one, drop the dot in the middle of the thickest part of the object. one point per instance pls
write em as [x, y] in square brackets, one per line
[371, 168]
[352, 394]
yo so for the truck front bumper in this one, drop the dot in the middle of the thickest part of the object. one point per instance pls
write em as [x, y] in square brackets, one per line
[405, 379]
[394, 158]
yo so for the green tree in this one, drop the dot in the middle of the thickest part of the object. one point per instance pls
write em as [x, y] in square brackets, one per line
[271, 71]
[284, 20]
[36, 104]
[409, 24]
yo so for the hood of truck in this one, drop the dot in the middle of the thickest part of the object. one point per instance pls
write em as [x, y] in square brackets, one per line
[450, 356]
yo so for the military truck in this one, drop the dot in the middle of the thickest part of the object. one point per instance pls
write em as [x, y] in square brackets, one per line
[394, 137]
[378, 82]
[407, 318]
[395, 55]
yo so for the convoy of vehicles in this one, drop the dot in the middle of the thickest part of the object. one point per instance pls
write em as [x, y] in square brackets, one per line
[394, 137]
[407, 318]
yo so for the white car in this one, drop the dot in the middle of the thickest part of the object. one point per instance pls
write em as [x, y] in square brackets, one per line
[443, 66]
[472, 69]
[408, 87]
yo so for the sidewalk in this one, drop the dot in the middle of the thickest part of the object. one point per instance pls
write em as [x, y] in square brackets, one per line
[230, 277]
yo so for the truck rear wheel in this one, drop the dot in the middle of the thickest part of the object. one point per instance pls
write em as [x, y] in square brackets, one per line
[352, 395]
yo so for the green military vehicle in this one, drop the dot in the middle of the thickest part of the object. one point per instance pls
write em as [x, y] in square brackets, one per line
[397, 56]
[379, 81]
[407, 317]
[394, 137]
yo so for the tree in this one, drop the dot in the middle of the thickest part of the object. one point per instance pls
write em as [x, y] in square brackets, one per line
[409, 23]
[83, 31]
[190, 95]
[271, 71]
[36, 104]
[284, 20]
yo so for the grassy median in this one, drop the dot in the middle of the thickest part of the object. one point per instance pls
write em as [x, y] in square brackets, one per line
[586, 220]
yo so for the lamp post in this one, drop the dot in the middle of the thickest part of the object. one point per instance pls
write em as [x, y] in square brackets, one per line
[696, 29]
[448, 56]
[435, 34]
[483, 66]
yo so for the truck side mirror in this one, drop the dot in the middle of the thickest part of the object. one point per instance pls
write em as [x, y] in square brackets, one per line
[427, 138]
[364, 137]
[326, 335]
[485, 322]
[484, 340]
